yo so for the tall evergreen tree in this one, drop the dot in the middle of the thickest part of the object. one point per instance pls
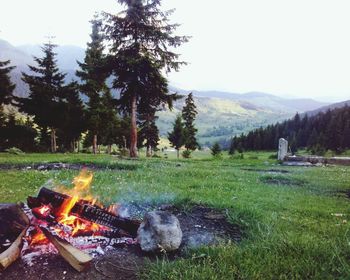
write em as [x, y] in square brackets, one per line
[73, 118]
[46, 97]
[111, 130]
[176, 137]
[141, 36]
[189, 113]
[6, 86]
[94, 85]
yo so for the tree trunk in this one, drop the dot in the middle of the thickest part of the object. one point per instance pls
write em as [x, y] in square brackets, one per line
[109, 149]
[178, 153]
[149, 151]
[94, 144]
[133, 132]
[53, 140]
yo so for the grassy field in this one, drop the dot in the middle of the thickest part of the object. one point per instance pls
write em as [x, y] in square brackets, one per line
[295, 224]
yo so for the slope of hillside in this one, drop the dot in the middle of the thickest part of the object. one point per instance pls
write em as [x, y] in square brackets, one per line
[328, 107]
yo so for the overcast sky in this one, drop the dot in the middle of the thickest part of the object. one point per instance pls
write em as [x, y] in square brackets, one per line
[285, 47]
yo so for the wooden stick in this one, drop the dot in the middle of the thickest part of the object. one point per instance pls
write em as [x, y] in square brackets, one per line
[75, 257]
[13, 252]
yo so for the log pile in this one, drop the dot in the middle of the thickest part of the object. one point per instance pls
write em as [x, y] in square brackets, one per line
[42, 217]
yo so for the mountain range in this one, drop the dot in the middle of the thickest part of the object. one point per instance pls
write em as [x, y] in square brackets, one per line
[220, 114]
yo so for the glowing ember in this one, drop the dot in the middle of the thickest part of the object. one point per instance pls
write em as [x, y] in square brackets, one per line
[38, 238]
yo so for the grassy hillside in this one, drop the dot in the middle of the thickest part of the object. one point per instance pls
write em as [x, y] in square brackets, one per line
[222, 118]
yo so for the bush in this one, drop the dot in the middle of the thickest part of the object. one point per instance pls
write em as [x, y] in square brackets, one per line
[14, 151]
[123, 152]
[186, 154]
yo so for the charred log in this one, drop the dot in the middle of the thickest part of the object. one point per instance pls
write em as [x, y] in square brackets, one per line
[85, 210]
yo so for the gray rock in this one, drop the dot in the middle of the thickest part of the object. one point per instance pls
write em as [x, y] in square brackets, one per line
[159, 230]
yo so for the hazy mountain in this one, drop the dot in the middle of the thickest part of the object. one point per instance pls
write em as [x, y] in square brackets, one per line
[220, 114]
[66, 55]
[328, 107]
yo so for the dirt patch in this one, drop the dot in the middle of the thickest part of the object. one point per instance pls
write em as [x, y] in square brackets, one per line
[270, 171]
[200, 225]
[343, 193]
[281, 181]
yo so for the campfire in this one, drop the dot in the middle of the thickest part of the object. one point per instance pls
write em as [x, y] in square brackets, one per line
[66, 221]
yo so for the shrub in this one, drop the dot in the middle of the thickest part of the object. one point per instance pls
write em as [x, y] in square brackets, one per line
[186, 154]
[123, 152]
[14, 151]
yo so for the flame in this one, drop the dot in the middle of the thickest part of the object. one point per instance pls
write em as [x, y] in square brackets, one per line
[81, 190]
[38, 238]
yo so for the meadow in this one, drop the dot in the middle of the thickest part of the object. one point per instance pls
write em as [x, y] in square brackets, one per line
[294, 219]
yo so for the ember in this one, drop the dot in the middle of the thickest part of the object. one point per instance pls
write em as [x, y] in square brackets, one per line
[72, 220]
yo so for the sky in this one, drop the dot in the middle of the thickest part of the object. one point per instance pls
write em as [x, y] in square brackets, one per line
[290, 48]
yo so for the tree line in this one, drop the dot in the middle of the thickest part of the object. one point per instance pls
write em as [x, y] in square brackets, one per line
[324, 131]
[140, 43]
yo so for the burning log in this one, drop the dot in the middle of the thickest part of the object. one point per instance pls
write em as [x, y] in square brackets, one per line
[75, 257]
[85, 210]
[14, 224]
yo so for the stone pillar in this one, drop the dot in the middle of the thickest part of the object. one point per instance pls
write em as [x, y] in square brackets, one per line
[282, 148]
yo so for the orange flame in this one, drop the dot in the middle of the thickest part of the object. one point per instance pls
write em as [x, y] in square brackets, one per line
[38, 238]
[80, 191]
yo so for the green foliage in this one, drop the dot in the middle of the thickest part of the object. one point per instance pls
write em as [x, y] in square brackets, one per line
[46, 101]
[325, 131]
[176, 136]
[14, 151]
[6, 86]
[186, 154]
[140, 37]
[15, 132]
[189, 113]
[216, 150]
[101, 116]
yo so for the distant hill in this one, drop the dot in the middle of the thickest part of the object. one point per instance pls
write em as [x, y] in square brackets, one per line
[328, 129]
[220, 114]
[328, 107]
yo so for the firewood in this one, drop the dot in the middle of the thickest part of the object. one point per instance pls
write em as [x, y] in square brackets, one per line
[14, 224]
[13, 252]
[87, 211]
[75, 257]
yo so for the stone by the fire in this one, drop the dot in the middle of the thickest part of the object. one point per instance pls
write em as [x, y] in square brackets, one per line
[159, 230]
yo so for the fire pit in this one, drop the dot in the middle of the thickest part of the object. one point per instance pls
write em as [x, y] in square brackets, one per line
[70, 223]
[63, 226]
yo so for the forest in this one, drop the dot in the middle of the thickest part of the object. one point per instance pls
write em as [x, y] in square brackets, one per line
[324, 131]
[115, 101]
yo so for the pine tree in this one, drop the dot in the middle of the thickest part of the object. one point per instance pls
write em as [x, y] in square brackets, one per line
[46, 97]
[73, 118]
[110, 131]
[93, 76]
[6, 86]
[149, 132]
[176, 137]
[189, 113]
[232, 146]
[216, 150]
[141, 36]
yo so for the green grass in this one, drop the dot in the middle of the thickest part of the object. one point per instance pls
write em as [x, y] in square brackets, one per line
[289, 229]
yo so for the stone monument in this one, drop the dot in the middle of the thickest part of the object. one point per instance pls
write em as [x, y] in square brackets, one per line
[282, 148]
